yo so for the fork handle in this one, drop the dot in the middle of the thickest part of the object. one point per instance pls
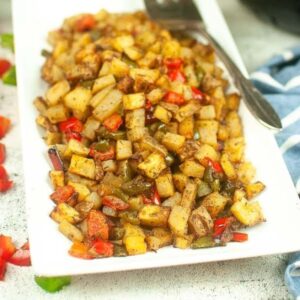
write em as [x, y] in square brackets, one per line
[255, 101]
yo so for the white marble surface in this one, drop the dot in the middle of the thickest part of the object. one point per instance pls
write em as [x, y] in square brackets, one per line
[255, 278]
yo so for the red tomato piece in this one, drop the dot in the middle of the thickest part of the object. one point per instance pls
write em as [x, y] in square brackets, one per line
[86, 22]
[62, 194]
[103, 248]
[97, 225]
[177, 75]
[174, 98]
[113, 122]
[2, 268]
[114, 202]
[72, 124]
[7, 247]
[26, 246]
[5, 185]
[239, 237]
[173, 63]
[21, 258]
[4, 66]
[79, 250]
[3, 173]
[2, 153]
[4, 126]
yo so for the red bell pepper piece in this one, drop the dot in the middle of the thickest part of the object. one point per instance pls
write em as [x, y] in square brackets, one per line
[86, 22]
[3, 173]
[4, 126]
[177, 75]
[21, 258]
[174, 98]
[73, 135]
[7, 247]
[221, 224]
[4, 66]
[80, 250]
[239, 237]
[103, 248]
[113, 122]
[148, 105]
[72, 124]
[2, 153]
[3, 265]
[56, 160]
[109, 154]
[97, 225]
[214, 164]
[62, 194]
[198, 95]
[5, 185]
[153, 199]
[114, 202]
[173, 63]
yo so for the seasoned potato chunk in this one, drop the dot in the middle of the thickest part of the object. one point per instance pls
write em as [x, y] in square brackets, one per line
[123, 149]
[76, 147]
[65, 212]
[159, 238]
[122, 42]
[246, 172]
[189, 195]
[214, 203]
[164, 185]
[97, 98]
[162, 114]
[228, 167]
[82, 166]
[134, 239]
[186, 127]
[119, 68]
[234, 124]
[153, 165]
[183, 242]
[208, 132]
[154, 215]
[70, 231]
[206, 151]
[254, 189]
[82, 190]
[248, 213]
[57, 113]
[178, 220]
[180, 181]
[235, 149]
[173, 142]
[57, 178]
[201, 222]
[78, 99]
[134, 101]
[135, 118]
[173, 200]
[136, 133]
[57, 91]
[192, 169]
[102, 82]
[187, 110]
[207, 112]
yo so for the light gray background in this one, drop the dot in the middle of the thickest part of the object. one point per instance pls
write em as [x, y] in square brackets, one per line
[256, 278]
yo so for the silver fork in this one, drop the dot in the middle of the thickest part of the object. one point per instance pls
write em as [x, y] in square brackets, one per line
[183, 15]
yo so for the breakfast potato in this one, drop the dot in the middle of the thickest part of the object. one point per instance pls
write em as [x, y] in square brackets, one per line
[83, 166]
[183, 242]
[81, 189]
[154, 216]
[164, 185]
[206, 151]
[173, 142]
[78, 99]
[135, 118]
[102, 82]
[201, 222]
[192, 169]
[152, 165]
[133, 101]
[57, 92]
[123, 149]
[253, 189]
[189, 195]
[214, 203]
[180, 181]
[158, 238]
[228, 167]
[178, 220]
[70, 231]
[208, 130]
[57, 178]
[186, 127]
[173, 200]
[134, 239]
[57, 113]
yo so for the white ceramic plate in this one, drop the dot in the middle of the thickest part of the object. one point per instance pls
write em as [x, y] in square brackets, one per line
[49, 248]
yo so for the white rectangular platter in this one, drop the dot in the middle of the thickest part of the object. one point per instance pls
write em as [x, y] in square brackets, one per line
[32, 21]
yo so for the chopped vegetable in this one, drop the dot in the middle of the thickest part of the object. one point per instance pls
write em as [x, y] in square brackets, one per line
[7, 41]
[84, 23]
[174, 98]
[2, 153]
[21, 257]
[4, 126]
[9, 77]
[62, 194]
[203, 242]
[3, 266]
[114, 203]
[113, 122]
[7, 247]
[102, 248]
[177, 75]
[79, 250]
[4, 66]
[97, 225]
[52, 284]
[239, 237]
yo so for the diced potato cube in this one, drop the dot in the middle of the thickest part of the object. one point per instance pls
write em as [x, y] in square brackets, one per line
[254, 189]
[162, 114]
[109, 165]
[186, 127]
[223, 133]
[234, 124]
[173, 142]
[155, 95]
[173, 200]
[134, 239]
[153, 165]
[207, 112]
[208, 132]
[135, 118]
[105, 69]
[136, 203]
[57, 91]
[83, 166]
[76, 147]
[233, 101]
[134, 101]
[53, 138]
[201, 222]
[228, 167]
[133, 53]
[108, 105]
[57, 178]
[192, 169]
[89, 128]
[238, 195]
[235, 149]
[204, 151]
[78, 99]
[214, 203]
[246, 172]
[70, 231]
[172, 127]
[178, 220]
[187, 110]
[82, 190]
[183, 242]
[102, 82]
[189, 195]
[159, 238]
[120, 43]
[180, 181]
[154, 215]
[248, 213]
[171, 48]
[40, 105]
[219, 101]
[119, 68]
[151, 144]
[164, 185]
[123, 149]
[136, 133]
[57, 113]
[95, 199]
[94, 102]
[63, 211]
[148, 75]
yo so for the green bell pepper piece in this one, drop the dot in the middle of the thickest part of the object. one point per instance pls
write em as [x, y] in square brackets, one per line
[7, 41]
[203, 242]
[9, 77]
[52, 284]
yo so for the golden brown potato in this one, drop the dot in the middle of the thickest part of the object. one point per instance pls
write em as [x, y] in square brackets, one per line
[214, 203]
[178, 220]
[201, 222]
[154, 216]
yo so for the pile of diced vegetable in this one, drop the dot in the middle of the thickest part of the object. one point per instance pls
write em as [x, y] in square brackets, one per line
[146, 144]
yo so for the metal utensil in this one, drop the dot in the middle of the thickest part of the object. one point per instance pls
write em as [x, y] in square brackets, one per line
[183, 15]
